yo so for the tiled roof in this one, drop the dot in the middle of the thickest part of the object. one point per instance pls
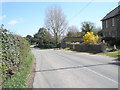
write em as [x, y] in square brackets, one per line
[113, 13]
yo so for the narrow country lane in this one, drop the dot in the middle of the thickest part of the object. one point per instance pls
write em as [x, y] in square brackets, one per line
[64, 69]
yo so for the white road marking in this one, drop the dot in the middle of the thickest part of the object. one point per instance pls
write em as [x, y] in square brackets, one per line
[101, 75]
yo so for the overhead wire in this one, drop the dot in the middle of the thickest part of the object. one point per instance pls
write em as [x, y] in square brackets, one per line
[81, 10]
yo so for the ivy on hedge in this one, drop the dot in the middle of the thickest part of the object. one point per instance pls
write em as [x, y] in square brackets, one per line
[13, 50]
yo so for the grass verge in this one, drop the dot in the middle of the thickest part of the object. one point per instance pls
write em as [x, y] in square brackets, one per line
[111, 54]
[107, 53]
[19, 80]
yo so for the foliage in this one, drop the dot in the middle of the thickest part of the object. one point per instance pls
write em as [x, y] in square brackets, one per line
[24, 71]
[68, 42]
[89, 37]
[43, 38]
[87, 27]
[111, 54]
[112, 41]
[100, 33]
[30, 39]
[74, 32]
[14, 49]
[73, 43]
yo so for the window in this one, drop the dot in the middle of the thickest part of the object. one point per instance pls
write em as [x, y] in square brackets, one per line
[113, 34]
[104, 34]
[109, 34]
[106, 23]
[113, 21]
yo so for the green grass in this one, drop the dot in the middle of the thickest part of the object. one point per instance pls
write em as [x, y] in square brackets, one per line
[20, 79]
[111, 54]
[106, 52]
[67, 49]
[92, 52]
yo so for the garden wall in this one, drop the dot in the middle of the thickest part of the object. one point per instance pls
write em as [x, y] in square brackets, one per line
[86, 47]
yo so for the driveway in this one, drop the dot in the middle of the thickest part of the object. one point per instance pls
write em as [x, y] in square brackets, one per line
[62, 69]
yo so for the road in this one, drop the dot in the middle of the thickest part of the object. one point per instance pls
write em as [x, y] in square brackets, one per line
[67, 69]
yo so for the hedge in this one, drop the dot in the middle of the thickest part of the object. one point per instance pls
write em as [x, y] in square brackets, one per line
[13, 50]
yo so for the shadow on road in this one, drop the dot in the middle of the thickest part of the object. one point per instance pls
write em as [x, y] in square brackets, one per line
[116, 62]
[79, 66]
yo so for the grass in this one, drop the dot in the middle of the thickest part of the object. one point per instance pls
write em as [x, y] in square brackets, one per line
[67, 49]
[111, 54]
[19, 80]
[92, 52]
[106, 52]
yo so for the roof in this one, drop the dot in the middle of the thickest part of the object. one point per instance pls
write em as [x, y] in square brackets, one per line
[113, 13]
[73, 39]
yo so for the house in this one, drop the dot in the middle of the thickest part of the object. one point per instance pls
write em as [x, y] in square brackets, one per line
[111, 24]
[71, 39]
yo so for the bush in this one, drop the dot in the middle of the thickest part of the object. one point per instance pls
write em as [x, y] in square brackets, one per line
[13, 50]
[112, 41]
[73, 43]
[90, 38]
[44, 46]
[24, 72]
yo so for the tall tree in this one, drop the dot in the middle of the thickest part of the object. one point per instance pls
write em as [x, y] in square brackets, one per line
[42, 36]
[98, 31]
[55, 22]
[29, 38]
[87, 27]
[73, 31]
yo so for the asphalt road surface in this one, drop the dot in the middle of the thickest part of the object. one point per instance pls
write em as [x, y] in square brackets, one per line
[66, 69]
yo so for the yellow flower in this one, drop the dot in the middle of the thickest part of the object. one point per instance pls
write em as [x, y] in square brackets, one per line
[89, 37]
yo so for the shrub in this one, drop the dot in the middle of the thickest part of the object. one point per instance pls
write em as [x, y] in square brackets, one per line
[90, 38]
[73, 43]
[68, 42]
[13, 50]
[112, 41]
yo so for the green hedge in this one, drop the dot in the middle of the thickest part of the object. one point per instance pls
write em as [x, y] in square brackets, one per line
[13, 50]
[22, 76]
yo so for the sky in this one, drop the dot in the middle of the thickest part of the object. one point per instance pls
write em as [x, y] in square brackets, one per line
[25, 18]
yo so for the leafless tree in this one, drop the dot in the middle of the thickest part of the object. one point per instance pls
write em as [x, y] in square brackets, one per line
[73, 31]
[55, 22]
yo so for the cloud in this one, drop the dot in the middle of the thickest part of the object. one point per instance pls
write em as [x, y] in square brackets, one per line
[12, 22]
[2, 17]
[15, 21]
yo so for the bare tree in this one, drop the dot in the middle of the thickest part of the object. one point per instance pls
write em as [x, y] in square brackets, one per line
[72, 31]
[55, 22]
